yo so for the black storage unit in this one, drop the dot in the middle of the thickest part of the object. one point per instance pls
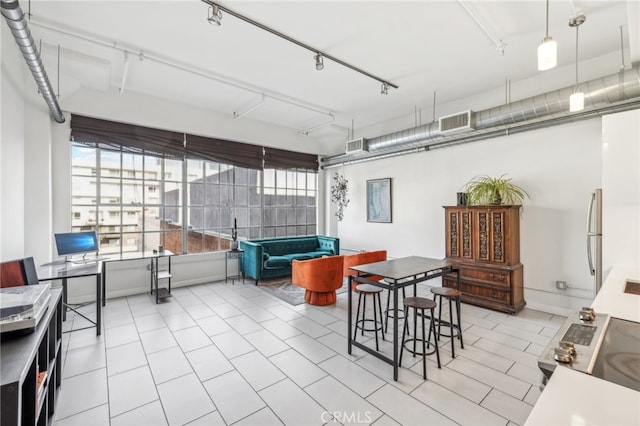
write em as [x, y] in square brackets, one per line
[31, 370]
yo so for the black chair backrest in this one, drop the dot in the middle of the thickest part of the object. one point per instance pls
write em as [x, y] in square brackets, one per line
[30, 273]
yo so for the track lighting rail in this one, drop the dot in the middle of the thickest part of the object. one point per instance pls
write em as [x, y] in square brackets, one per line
[299, 43]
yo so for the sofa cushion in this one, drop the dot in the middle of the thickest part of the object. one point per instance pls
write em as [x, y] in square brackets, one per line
[298, 256]
[277, 262]
[319, 253]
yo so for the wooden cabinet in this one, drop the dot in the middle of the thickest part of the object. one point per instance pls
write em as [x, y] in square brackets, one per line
[31, 368]
[484, 243]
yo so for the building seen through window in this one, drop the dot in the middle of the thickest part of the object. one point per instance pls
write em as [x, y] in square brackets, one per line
[137, 202]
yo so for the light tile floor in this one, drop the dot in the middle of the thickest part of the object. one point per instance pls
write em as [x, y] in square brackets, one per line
[219, 354]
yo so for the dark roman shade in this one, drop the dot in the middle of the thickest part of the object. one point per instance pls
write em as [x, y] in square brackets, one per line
[164, 143]
[282, 159]
[223, 151]
[129, 137]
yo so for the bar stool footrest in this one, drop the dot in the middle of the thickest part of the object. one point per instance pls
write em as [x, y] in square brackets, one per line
[418, 345]
[363, 322]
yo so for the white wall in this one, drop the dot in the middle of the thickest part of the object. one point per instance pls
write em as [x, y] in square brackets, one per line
[558, 166]
[621, 191]
[12, 169]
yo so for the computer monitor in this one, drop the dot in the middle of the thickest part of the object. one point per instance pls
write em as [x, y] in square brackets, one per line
[71, 243]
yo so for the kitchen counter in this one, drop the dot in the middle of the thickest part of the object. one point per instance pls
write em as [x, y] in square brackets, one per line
[574, 398]
[613, 300]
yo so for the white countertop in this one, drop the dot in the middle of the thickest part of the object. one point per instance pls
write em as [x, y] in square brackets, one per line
[613, 300]
[574, 398]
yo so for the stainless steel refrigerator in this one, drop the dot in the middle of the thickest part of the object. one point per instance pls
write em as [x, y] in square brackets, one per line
[594, 237]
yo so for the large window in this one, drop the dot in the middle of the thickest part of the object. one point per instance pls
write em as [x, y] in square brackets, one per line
[137, 201]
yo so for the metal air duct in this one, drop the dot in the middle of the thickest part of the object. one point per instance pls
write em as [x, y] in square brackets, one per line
[15, 19]
[613, 93]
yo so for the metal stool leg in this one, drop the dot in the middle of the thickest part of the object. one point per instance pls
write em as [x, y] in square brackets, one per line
[364, 312]
[432, 326]
[380, 309]
[453, 346]
[424, 346]
[415, 329]
[404, 333]
[459, 322]
[375, 319]
[355, 327]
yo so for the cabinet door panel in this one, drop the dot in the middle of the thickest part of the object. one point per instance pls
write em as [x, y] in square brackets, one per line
[460, 233]
[491, 236]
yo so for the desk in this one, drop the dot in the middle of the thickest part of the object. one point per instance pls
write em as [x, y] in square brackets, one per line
[119, 257]
[398, 273]
[65, 270]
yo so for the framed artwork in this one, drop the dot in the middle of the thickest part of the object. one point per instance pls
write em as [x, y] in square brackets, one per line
[379, 200]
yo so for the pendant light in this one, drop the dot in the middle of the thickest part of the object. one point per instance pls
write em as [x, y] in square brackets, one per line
[576, 100]
[548, 50]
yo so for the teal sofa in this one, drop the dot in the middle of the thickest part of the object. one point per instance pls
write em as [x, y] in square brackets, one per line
[271, 257]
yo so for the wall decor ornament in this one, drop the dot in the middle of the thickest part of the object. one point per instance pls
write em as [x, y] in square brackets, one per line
[379, 200]
[339, 192]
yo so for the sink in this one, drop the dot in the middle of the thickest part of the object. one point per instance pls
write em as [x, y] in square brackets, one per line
[632, 287]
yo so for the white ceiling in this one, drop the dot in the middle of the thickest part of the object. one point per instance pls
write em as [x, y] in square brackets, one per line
[421, 46]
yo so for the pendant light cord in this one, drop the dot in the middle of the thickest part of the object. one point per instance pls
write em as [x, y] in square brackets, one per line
[547, 31]
[577, 29]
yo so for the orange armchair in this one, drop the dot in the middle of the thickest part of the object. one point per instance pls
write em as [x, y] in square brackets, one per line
[362, 258]
[320, 277]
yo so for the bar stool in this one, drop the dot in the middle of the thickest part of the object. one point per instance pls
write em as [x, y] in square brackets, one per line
[455, 329]
[420, 303]
[365, 290]
[389, 312]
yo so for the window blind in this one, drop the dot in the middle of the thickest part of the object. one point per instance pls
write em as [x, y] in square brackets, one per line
[167, 143]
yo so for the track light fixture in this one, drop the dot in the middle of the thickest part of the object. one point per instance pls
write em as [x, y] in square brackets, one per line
[548, 50]
[384, 89]
[319, 62]
[576, 100]
[215, 15]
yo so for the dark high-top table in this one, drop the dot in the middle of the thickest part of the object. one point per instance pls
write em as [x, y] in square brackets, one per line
[397, 273]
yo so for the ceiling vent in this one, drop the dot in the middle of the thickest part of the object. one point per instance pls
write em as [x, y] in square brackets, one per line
[356, 145]
[461, 122]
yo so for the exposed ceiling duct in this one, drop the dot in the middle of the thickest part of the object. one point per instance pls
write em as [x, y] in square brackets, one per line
[15, 19]
[604, 95]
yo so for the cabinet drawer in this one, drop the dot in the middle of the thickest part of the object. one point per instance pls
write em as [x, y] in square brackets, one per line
[486, 292]
[494, 277]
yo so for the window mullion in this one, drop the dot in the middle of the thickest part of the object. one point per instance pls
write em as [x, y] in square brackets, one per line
[98, 189]
[185, 226]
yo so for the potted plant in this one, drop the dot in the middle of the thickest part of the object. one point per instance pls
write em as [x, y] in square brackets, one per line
[483, 190]
[234, 235]
[339, 191]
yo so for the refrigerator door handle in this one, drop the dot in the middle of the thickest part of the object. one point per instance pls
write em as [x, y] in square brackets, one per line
[592, 271]
[592, 200]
